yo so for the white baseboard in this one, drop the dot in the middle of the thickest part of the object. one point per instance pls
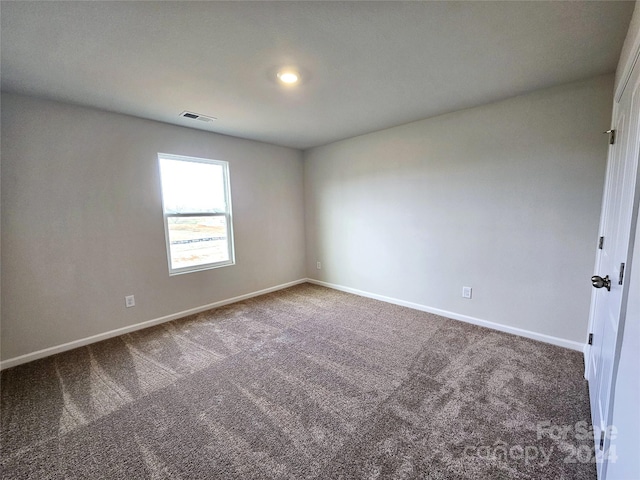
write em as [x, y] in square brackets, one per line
[561, 342]
[12, 362]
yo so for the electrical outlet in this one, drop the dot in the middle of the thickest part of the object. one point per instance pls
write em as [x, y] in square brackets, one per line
[319, 266]
[129, 301]
[466, 292]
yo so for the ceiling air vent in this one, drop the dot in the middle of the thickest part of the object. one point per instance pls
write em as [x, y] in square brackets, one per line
[197, 116]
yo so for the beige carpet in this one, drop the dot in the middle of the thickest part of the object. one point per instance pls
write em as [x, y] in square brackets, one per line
[309, 383]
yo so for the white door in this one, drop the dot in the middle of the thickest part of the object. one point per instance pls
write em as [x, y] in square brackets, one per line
[619, 212]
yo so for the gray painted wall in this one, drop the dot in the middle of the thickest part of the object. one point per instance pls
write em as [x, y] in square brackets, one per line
[504, 198]
[82, 222]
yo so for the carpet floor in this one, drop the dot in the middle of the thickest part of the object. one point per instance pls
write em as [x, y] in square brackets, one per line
[304, 383]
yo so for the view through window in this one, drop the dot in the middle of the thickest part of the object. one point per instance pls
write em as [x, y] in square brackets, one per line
[197, 212]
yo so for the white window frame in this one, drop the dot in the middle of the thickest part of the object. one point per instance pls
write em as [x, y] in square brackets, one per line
[227, 214]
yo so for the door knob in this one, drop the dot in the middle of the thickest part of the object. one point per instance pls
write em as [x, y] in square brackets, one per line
[599, 282]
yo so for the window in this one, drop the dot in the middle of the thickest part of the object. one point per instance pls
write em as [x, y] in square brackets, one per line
[197, 213]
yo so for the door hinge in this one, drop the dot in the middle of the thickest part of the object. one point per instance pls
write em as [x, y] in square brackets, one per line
[601, 439]
[601, 243]
[612, 136]
[621, 277]
[591, 339]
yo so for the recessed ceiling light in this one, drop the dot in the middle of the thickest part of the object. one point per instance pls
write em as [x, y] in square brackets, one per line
[288, 76]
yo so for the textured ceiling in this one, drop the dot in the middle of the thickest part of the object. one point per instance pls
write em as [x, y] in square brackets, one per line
[366, 65]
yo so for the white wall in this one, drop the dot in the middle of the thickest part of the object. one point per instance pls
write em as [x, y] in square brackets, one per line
[626, 400]
[82, 222]
[504, 198]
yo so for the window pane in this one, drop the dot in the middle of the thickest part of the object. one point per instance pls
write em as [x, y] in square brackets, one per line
[197, 211]
[197, 241]
[192, 187]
